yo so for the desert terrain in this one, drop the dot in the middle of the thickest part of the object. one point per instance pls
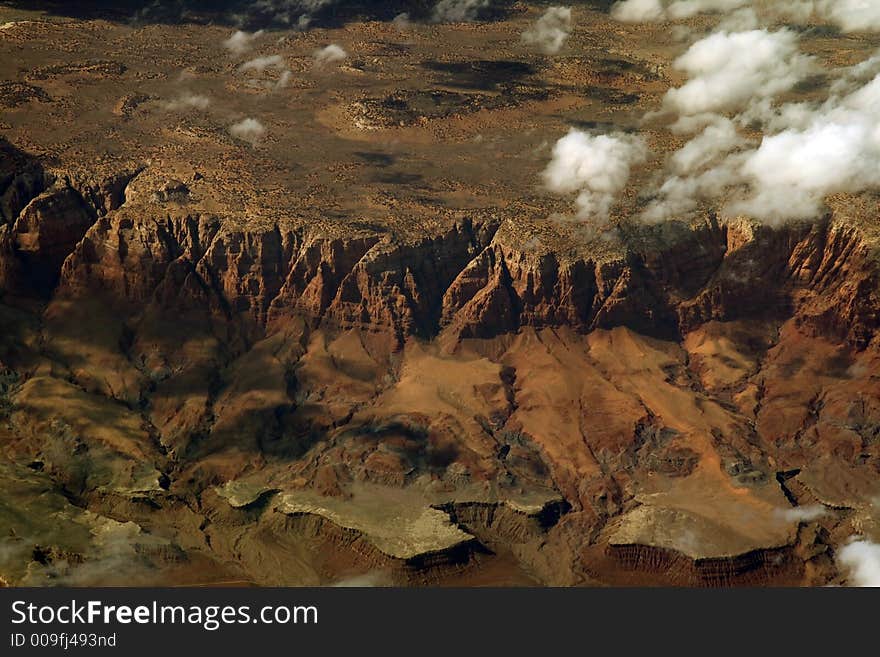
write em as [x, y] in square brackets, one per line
[464, 293]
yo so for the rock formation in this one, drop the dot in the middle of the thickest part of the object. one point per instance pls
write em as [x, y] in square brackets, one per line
[206, 356]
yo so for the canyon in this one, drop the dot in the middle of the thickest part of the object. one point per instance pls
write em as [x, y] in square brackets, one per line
[295, 364]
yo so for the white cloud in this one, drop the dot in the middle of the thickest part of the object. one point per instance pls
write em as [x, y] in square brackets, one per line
[717, 139]
[645, 11]
[829, 149]
[240, 42]
[260, 64]
[728, 71]
[802, 513]
[854, 77]
[680, 195]
[187, 101]
[861, 560]
[284, 79]
[597, 168]
[735, 79]
[458, 11]
[809, 151]
[551, 30]
[689, 8]
[792, 172]
[638, 11]
[250, 130]
[329, 55]
[740, 20]
[849, 15]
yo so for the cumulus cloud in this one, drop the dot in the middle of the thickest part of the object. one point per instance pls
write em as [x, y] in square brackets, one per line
[717, 139]
[740, 73]
[187, 101]
[740, 20]
[551, 30]
[856, 76]
[240, 42]
[639, 11]
[793, 171]
[802, 513]
[329, 55]
[284, 79]
[458, 11]
[700, 170]
[728, 71]
[849, 15]
[595, 167]
[687, 8]
[735, 81]
[809, 152]
[834, 148]
[680, 195]
[861, 560]
[260, 64]
[249, 129]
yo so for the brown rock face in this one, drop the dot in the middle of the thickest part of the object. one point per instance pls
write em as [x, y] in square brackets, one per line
[45, 233]
[363, 340]
[666, 282]
[467, 371]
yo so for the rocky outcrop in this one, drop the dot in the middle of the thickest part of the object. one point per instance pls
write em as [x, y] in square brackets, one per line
[468, 279]
[45, 233]
[824, 273]
[756, 568]
[474, 277]
[204, 347]
[43, 217]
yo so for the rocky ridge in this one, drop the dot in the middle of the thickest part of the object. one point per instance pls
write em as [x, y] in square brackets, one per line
[118, 272]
